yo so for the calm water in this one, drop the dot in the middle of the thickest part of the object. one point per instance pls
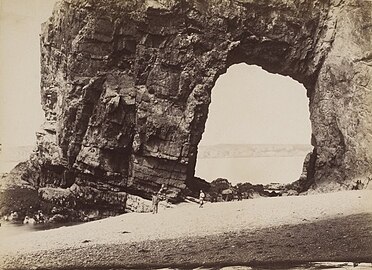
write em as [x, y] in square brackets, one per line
[262, 170]
[8, 229]
[7, 166]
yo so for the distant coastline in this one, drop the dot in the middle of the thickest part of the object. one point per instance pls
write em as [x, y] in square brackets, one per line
[253, 150]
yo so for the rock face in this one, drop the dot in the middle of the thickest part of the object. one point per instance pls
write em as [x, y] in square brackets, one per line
[126, 87]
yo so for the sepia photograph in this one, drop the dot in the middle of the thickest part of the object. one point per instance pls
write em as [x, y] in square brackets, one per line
[185, 134]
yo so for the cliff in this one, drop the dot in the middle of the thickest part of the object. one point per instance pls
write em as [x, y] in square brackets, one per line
[126, 85]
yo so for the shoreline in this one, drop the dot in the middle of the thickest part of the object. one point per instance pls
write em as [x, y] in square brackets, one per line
[326, 227]
[260, 248]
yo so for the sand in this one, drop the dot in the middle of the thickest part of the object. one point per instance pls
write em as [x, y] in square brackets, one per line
[216, 234]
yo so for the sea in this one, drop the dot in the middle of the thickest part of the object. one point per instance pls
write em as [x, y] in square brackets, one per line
[7, 166]
[256, 170]
[10, 156]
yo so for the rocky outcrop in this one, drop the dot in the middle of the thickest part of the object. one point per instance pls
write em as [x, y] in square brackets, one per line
[126, 87]
[17, 195]
[341, 100]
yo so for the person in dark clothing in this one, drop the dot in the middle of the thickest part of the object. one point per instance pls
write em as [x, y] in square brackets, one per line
[155, 203]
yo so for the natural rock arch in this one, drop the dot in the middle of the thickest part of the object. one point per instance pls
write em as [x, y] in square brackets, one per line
[126, 86]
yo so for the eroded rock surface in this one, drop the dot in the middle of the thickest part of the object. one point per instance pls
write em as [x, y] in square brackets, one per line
[126, 87]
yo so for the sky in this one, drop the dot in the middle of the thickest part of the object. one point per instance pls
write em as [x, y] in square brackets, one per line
[252, 106]
[248, 105]
[20, 109]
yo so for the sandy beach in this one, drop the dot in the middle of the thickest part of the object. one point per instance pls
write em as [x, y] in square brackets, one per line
[324, 227]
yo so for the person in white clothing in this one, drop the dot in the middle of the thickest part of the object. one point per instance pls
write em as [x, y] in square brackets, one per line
[201, 199]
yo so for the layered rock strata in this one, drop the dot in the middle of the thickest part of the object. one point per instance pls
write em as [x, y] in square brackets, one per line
[126, 85]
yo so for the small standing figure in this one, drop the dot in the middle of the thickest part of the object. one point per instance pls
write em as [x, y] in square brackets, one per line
[155, 203]
[201, 199]
[162, 192]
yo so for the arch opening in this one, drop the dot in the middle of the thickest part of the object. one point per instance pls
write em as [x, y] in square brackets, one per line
[258, 128]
